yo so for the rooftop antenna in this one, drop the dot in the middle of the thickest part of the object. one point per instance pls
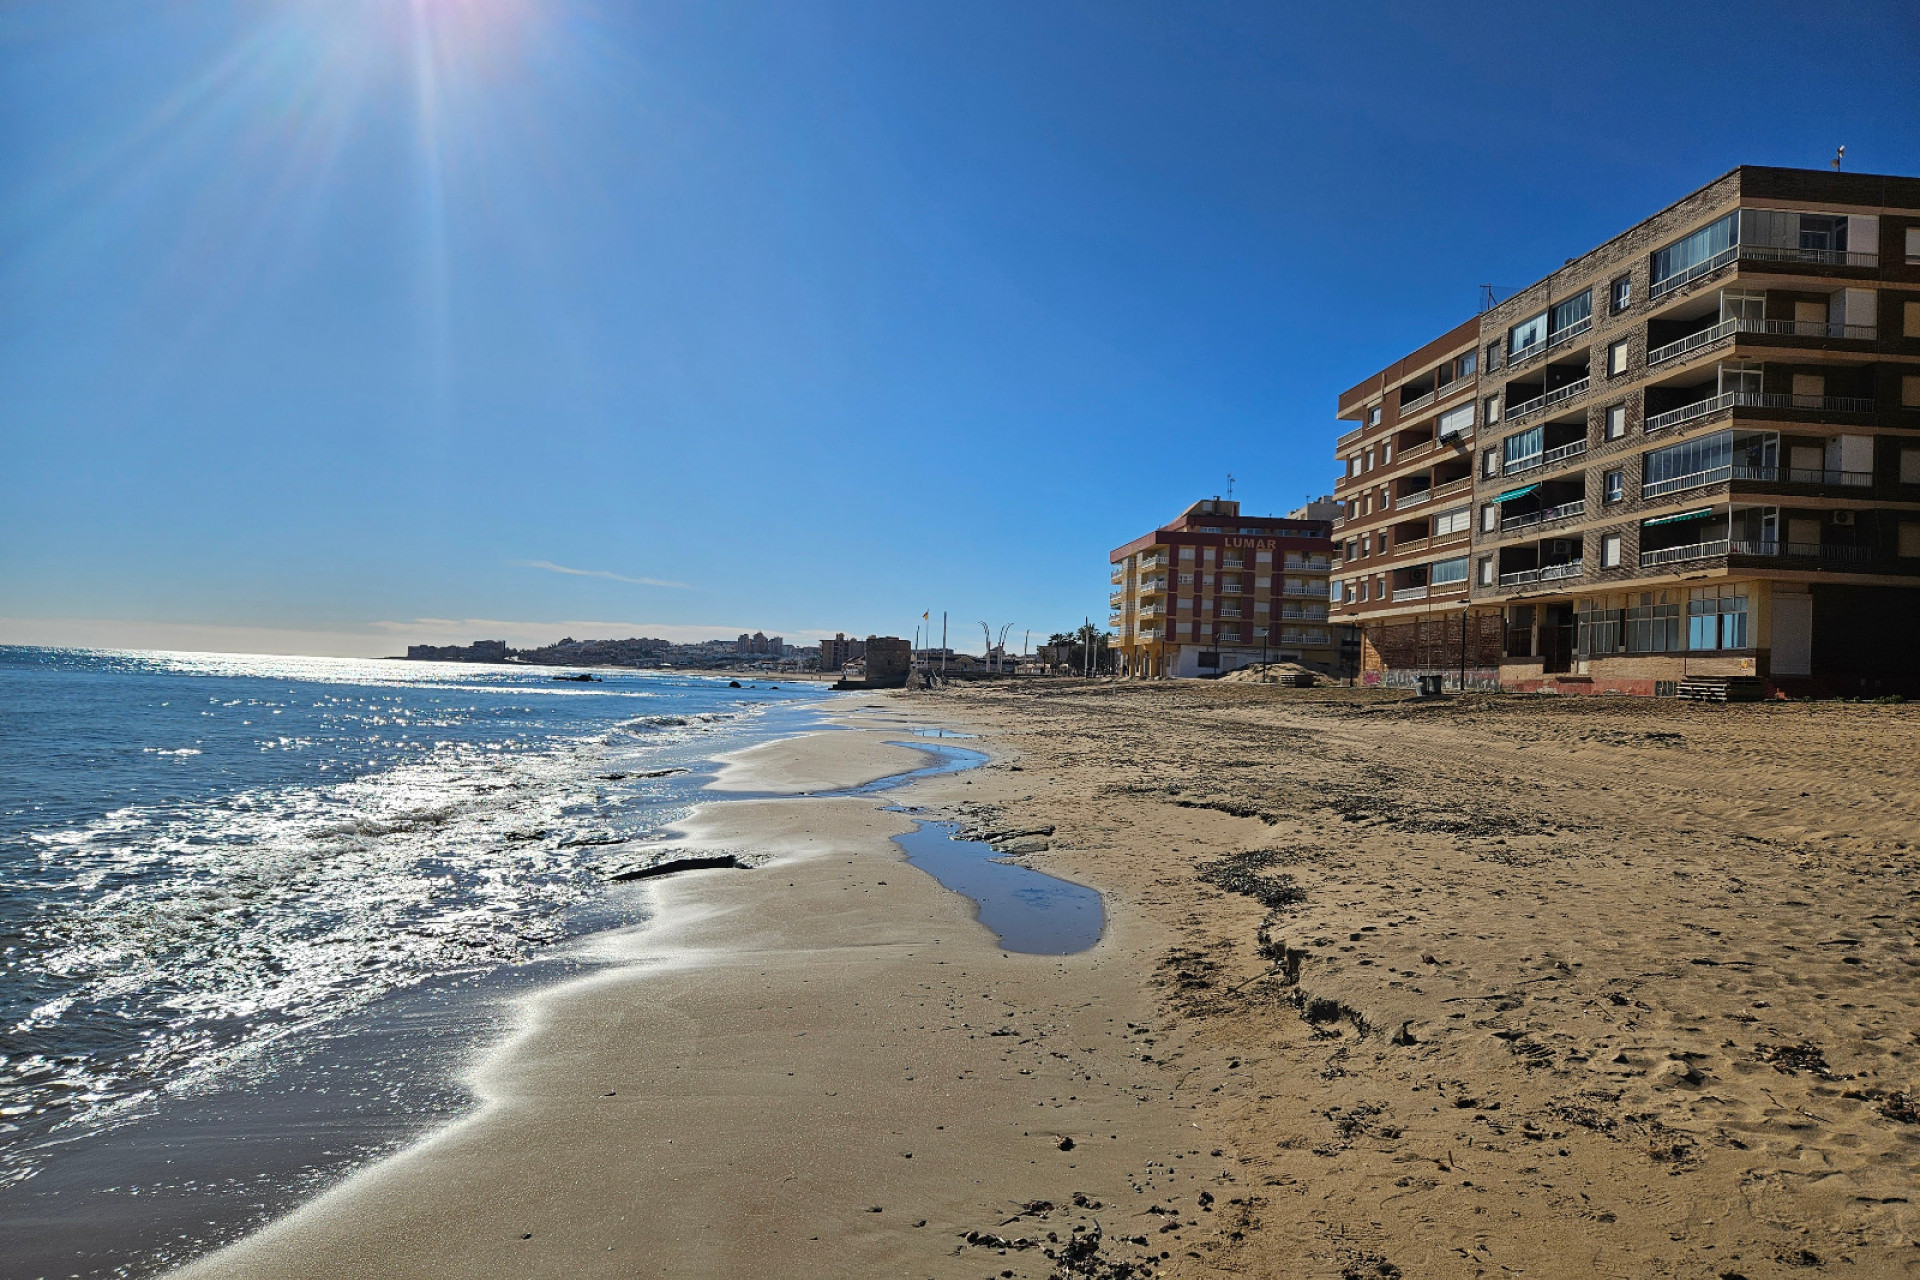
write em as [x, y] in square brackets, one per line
[1229, 486]
[1839, 155]
[1486, 298]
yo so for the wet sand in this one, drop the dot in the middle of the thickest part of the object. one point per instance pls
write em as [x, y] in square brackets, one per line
[821, 1066]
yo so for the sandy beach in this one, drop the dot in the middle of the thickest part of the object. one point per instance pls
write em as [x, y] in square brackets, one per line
[1488, 986]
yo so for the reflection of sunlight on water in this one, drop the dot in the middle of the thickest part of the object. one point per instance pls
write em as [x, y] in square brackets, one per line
[1027, 910]
[238, 901]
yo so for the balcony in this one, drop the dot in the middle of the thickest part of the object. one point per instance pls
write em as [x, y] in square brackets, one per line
[1755, 400]
[1304, 612]
[1791, 328]
[1560, 453]
[1315, 564]
[1546, 573]
[1413, 499]
[1153, 586]
[1342, 441]
[1692, 480]
[1559, 395]
[1546, 515]
[1805, 475]
[1403, 594]
[1230, 611]
[1527, 352]
[1117, 577]
[1760, 253]
[1306, 590]
[1418, 402]
[1692, 551]
[1828, 551]
[1569, 333]
[1117, 599]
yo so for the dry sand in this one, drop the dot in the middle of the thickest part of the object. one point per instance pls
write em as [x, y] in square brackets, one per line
[1487, 987]
[1500, 986]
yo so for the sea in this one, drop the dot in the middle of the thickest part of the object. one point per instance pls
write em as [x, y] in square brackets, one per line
[228, 883]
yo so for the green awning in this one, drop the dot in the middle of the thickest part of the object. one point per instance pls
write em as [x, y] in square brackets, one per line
[1684, 515]
[1511, 494]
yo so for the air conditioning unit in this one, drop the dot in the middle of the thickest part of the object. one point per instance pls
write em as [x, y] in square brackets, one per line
[1843, 517]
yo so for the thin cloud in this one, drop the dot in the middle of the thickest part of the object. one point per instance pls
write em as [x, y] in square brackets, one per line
[550, 567]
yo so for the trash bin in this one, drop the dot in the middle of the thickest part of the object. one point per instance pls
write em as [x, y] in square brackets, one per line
[1430, 686]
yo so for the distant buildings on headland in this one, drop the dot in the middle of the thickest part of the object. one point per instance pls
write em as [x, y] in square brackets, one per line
[640, 651]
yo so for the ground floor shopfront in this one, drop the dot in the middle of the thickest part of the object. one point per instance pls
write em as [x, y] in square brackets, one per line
[1195, 661]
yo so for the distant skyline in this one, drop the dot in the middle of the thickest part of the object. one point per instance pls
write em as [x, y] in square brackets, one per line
[337, 325]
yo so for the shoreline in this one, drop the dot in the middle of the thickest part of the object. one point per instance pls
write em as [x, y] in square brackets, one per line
[784, 1069]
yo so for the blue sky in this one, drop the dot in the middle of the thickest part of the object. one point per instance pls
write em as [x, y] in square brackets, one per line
[333, 325]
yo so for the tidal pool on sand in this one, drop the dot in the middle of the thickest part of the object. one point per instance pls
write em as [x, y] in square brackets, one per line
[1027, 910]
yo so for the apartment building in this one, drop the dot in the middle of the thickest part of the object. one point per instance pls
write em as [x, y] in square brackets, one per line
[1403, 543]
[1215, 590]
[1695, 453]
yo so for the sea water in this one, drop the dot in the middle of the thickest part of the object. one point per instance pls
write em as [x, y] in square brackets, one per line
[206, 856]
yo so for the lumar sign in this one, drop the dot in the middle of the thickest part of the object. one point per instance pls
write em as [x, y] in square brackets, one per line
[1257, 544]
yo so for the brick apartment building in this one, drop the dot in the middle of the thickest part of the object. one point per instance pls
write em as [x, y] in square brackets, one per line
[1691, 452]
[1215, 590]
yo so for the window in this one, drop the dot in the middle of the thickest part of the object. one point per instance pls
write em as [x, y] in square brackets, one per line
[1464, 366]
[1363, 591]
[1910, 466]
[1459, 520]
[1486, 571]
[1353, 548]
[1369, 459]
[1373, 416]
[1653, 625]
[1490, 518]
[1366, 544]
[1621, 292]
[1913, 244]
[1490, 461]
[1527, 337]
[1523, 447]
[1493, 356]
[1386, 454]
[1353, 466]
[1690, 254]
[1493, 409]
[1912, 316]
[1709, 459]
[1610, 551]
[1574, 316]
[1616, 421]
[1445, 573]
[1186, 553]
[1910, 392]
[1600, 630]
[1908, 544]
[1347, 590]
[1717, 617]
[1615, 485]
[1616, 358]
[1456, 421]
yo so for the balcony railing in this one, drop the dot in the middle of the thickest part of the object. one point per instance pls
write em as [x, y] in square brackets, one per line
[1806, 550]
[1304, 612]
[1692, 551]
[1117, 577]
[1805, 475]
[1516, 465]
[1824, 257]
[1401, 594]
[1408, 406]
[1527, 352]
[1413, 499]
[1342, 441]
[1565, 511]
[1791, 328]
[1761, 253]
[1560, 453]
[1230, 611]
[1152, 586]
[1316, 564]
[1305, 589]
[1569, 333]
[1756, 400]
[1692, 480]
[1559, 395]
[1117, 599]
[1662, 288]
[1546, 573]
